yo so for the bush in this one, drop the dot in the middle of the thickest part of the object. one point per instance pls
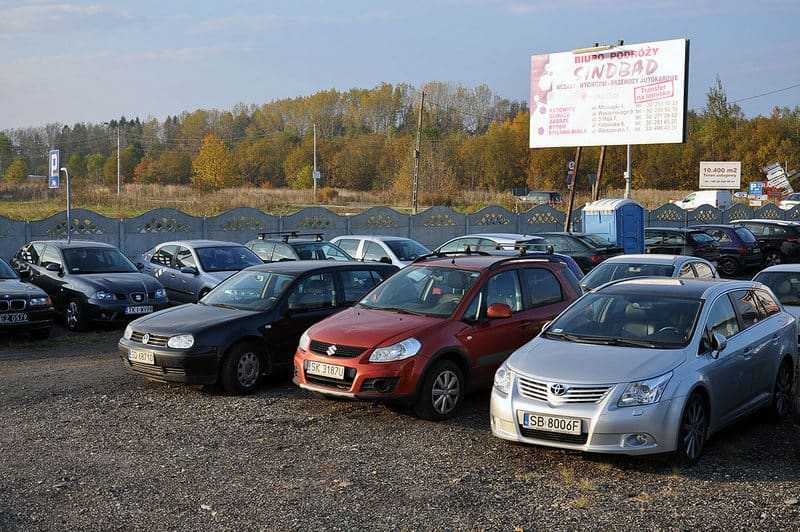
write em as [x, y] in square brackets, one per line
[328, 195]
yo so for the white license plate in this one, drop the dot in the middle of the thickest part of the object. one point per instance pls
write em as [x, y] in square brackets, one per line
[322, 369]
[19, 317]
[141, 356]
[141, 309]
[562, 425]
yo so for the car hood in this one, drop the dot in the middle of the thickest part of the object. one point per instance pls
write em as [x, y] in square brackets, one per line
[219, 276]
[791, 309]
[119, 282]
[190, 318]
[575, 363]
[16, 288]
[370, 328]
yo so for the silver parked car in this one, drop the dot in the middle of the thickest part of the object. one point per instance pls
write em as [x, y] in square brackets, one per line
[649, 365]
[189, 269]
[389, 249]
[784, 281]
[489, 241]
[650, 265]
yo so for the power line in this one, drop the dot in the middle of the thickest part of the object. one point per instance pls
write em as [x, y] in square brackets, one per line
[766, 93]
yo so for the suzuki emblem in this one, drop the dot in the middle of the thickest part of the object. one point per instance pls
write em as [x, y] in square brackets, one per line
[558, 390]
[331, 350]
[145, 338]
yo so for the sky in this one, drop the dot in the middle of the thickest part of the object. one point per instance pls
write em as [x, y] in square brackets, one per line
[91, 61]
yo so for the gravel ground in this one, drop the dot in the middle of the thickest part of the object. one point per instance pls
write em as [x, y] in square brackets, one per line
[83, 445]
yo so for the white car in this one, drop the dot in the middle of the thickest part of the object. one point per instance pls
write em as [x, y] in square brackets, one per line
[790, 201]
[388, 249]
[784, 281]
[721, 199]
[629, 266]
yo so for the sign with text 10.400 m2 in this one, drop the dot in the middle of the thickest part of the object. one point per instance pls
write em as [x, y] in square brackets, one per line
[721, 174]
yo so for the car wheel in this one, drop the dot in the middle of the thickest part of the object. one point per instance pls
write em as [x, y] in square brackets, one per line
[728, 266]
[693, 429]
[241, 370]
[442, 391]
[75, 316]
[782, 397]
[772, 258]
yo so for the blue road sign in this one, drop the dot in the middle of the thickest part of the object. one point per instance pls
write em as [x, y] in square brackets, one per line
[54, 177]
[756, 188]
[53, 181]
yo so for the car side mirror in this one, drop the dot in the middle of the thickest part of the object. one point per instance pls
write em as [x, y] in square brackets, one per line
[139, 266]
[498, 311]
[53, 268]
[718, 344]
[385, 260]
[24, 273]
[191, 270]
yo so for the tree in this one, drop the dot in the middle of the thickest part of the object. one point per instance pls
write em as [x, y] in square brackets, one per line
[6, 155]
[173, 168]
[16, 172]
[213, 168]
[76, 165]
[94, 167]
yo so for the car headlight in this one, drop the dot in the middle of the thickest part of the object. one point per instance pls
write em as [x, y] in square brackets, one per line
[128, 332]
[305, 342]
[502, 379]
[182, 341]
[399, 351]
[39, 301]
[644, 392]
[160, 293]
[104, 296]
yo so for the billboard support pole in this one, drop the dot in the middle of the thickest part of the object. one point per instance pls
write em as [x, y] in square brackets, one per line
[415, 184]
[628, 176]
[600, 163]
[568, 221]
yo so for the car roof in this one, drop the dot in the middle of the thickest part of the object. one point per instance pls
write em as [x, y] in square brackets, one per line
[690, 288]
[654, 258]
[563, 233]
[201, 243]
[766, 220]
[74, 244]
[290, 241]
[484, 262]
[372, 237]
[675, 229]
[297, 267]
[718, 226]
[511, 237]
[793, 268]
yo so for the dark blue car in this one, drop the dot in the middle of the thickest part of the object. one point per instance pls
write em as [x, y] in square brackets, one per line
[738, 248]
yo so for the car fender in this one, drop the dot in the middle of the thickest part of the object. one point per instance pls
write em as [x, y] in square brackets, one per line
[440, 354]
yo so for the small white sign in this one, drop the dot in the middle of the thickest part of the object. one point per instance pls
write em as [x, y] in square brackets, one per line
[721, 174]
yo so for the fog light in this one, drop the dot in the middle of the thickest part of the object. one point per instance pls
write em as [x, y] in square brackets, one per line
[641, 439]
[501, 425]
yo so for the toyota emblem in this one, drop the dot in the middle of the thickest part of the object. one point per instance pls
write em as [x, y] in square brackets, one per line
[145, 338]
[331, 350]
[558, 390]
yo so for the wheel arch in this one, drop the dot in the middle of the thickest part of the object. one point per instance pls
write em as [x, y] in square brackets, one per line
[453, 354]
[247, 339]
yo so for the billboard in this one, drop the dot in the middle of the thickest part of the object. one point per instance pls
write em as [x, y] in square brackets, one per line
[721, 174]
[628, 94]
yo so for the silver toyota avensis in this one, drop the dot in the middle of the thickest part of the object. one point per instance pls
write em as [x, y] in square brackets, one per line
[649, 365]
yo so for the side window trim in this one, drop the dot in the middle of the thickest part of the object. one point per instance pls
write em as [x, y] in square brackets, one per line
[706, 333]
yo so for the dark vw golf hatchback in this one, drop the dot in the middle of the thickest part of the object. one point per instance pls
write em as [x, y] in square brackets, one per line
[246, 327]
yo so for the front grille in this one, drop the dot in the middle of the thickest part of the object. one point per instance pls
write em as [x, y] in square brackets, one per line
[12, 304]
[578, 439]
[541, 391]
[138, 297]
[341, 350]
[156, 340]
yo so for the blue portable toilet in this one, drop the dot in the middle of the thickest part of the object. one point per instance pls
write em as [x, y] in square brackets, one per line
[619, 220]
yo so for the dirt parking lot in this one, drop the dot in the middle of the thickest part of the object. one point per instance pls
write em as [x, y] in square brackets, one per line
[83, 445]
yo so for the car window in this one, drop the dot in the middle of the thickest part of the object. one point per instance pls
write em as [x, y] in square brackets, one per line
[31, 253]
[768, 304]
[775, 230]
[745, 234]
[686, 271]
[460, 244]
[720, 236]
[164, 256]
[226, 258]
[541, 287]
[319, 251]
[407, 250]
[703, 270]
[313, 292]
[674, 239]
[702, 238]
[756, 229]
[249, 290]
[184, 258]
[263, 250]
[564, 244]
[504, 288]
[785, 285]
[50, 255]
[652, 238]
[86, 260]
[722, 318]
[374, 252]
[746, 306]
[283, 252]
[611, 271]
[357, 283]
[489, 246]
[348, 245]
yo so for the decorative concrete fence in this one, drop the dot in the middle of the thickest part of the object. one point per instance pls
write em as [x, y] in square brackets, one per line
[431, 227]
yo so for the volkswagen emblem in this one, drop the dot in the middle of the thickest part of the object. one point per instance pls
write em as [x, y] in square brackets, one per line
[145, 338]
[558, 389]
[331, 350]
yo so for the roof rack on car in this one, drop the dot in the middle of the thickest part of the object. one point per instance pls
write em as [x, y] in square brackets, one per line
[286, 235]
[442, 254]
[526, 247]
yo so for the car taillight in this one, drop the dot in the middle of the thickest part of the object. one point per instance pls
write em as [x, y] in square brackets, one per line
[596, 258]
[742, 250]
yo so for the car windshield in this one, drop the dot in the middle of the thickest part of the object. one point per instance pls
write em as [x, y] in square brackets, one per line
[320, 251]
[226, 258]
[5, 271]
[635, 320]
[597, 241]
[96, 260]
[407, 250]
[249, 290]
[785, 285]
[613, 271]
[423, 290]
[745, 235]
[702, 238]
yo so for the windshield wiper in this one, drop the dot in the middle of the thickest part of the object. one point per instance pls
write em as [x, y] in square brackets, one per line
[402, 311]
[223, 305]
[578, 338]
[633, 343]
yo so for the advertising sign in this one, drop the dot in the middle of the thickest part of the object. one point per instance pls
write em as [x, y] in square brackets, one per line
[721, 174]
[777, 178]
[54, 176]
[628, 94]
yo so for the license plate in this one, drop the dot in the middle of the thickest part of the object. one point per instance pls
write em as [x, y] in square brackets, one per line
[19, 317]
[322, 369]
[562, 425]
[141, 309]
[141, 356]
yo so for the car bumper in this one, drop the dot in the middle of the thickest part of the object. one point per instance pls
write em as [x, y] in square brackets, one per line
[194, 366]
[114, 311]
[604, 427]
[369, 381]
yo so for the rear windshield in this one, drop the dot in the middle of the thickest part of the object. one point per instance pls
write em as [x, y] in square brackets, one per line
[407, 250]
[745, 235]
[702, 238]
[785, 285]
[226, 258]
[607, 272]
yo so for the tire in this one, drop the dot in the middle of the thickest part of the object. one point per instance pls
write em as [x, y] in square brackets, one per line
[783, 393]
[773, 257]
[728, 266]
[75, 316]
[241, 369]
[693, 431]
[40, 334]
[442, 392]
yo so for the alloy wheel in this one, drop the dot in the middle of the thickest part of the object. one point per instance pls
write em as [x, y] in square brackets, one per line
[72, 315]
[773, 258]
[693, 428]
[247, 369]
[445, 392]
[727, 266]
[783, 391]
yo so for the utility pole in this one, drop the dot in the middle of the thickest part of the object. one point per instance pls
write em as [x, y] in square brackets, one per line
[314, 175]
[415, 184]
[628, 176]
[69, 207]
[119, 184]
[568, 221]
[600, 163]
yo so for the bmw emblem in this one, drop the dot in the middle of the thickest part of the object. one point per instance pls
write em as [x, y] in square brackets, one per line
[145, 338]
[331, 350]
[558, 389]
